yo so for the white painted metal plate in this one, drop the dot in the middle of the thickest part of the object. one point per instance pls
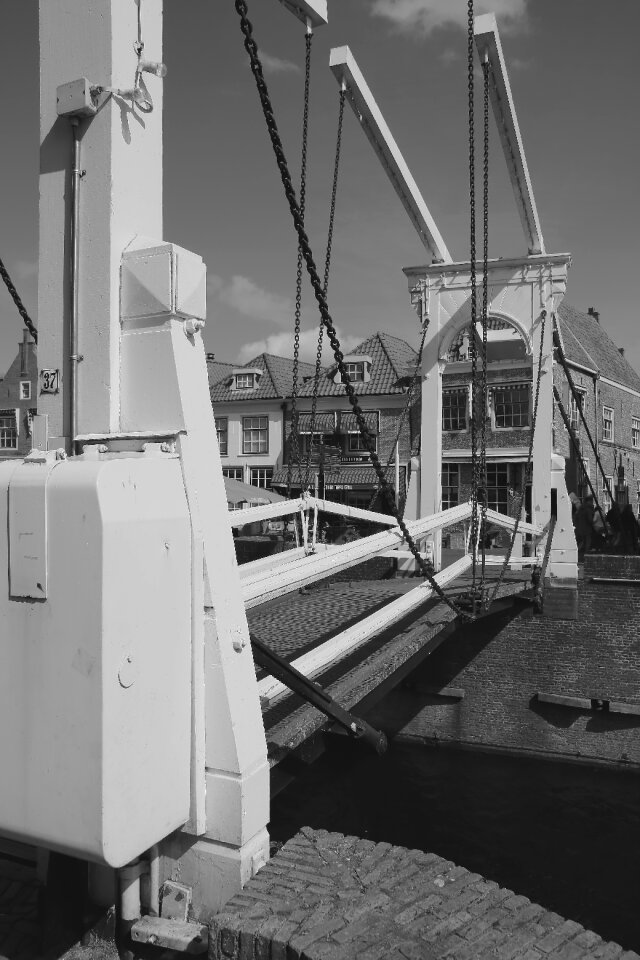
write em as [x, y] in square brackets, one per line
[28, 529]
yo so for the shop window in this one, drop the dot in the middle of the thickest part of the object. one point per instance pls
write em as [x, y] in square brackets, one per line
[222, 429]
[255, 434]
[455, 405]
[450, 485]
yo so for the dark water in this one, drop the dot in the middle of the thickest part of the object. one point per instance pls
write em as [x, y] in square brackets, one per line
[567, 836]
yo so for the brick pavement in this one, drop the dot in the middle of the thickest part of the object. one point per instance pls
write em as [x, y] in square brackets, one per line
[325, 896]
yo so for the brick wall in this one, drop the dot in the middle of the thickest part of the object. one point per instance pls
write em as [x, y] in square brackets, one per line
[501, 663]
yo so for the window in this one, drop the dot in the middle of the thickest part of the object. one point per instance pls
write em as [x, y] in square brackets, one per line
[25, 390]
[498, 487]
[245, 381]
[8, 430]
[261, 476]
[356, 443]
[255, 434]
[576, 403]
[222, 429]
[511, 406]
[607, 423]
[355, 371]
[454, 409]
[233, 473]
[307, 442]
[638, 496]
[606, 499]
[450, 485]
[635, 433]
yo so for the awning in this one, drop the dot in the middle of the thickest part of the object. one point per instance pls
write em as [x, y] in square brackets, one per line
[238, 492]
[349, 424]
[324, 423]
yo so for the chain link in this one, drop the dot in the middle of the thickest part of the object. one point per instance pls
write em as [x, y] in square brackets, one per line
[22, 310]
[485, 307]
[327, 267]
[474, 298]
[294, 448]
[252, 50]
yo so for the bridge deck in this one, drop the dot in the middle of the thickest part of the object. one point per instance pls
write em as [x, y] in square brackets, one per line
[300, 622]
[325, 896]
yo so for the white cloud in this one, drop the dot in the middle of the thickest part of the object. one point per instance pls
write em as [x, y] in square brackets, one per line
[425, 16]
[252, 301]
[281, 344]
[276, 65]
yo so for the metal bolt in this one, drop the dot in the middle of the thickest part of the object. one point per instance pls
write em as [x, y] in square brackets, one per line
[103, 448]
[167, 447]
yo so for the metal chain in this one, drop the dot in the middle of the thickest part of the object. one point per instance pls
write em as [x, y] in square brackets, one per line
[327, 267]
[294, 448]
[407, 407]
[252, 50]
[485, 306]
[22, 310]
[474, 297]
[527, 466]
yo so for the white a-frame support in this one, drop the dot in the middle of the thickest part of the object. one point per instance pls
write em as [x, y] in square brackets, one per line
[346, 71]
[311, 12]
[504, 111]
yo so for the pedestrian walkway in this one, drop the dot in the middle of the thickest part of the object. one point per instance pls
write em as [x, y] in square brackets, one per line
[325, 896]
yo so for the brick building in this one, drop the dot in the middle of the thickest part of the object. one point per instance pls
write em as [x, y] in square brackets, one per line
[611, 400]
[18, 401]
[609, 388]
[252, 406]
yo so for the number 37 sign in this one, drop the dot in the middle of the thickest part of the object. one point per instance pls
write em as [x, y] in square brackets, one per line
[49, 381]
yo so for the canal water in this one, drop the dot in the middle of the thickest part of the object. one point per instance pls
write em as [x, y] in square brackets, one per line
[565, 835]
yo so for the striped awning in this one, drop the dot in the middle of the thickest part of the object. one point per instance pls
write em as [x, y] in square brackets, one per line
[349, 424]
[324, 423]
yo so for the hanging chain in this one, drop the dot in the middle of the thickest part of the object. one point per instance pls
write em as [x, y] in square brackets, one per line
[294, 448]
[251, 47]
[327, 267]
[415, 379]
[22, 310]
[474, 299]
[527, 466]
[485, 306]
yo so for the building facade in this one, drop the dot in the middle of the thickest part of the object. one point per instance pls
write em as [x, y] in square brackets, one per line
[18, 401]
[253, 410]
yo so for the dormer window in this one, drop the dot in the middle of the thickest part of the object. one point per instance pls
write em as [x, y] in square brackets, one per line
[355, 371]
[358, 366]
[246, 379]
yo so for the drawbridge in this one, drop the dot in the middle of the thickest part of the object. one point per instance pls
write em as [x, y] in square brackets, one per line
[138, 734]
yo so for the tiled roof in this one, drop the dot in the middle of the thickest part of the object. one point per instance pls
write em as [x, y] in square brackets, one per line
[276, 381]
[587, 343]
[360, 475]
[217, 370]
[392, 362]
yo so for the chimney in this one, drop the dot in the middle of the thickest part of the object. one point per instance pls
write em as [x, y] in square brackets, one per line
[621, 351]
[594, 313]
[211, 357]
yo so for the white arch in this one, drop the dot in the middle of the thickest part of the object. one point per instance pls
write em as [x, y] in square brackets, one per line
[453, 331]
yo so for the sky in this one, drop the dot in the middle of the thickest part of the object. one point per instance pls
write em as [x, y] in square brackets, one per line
[574, 72]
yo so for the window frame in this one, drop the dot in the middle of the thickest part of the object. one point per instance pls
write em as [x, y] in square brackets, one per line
[611, 420]
[359, 446]
[574, 415]
[464, 395]
[250, 377]
[220, 431]
[229, 473]
[248, 442]
[497, 388]
[25, 390]
[635, 433]
[607, 502]
[494, 504]
[268, 479]
[355, 363]
[446, 501]
[11, 416]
